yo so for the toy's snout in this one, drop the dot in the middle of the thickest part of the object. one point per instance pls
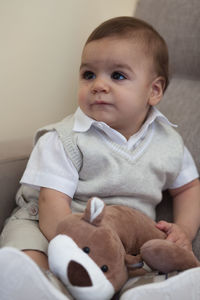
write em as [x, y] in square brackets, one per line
[78, 275]
[81, 275]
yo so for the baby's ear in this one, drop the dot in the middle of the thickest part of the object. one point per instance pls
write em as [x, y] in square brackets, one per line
[157, 88]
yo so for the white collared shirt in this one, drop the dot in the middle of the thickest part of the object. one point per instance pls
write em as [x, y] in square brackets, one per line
[50, 167]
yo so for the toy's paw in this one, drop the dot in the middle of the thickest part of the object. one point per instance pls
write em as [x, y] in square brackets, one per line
[134, 265]
[165, 256]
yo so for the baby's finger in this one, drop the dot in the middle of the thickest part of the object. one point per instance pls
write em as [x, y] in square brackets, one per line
[164, 226]
[184, 243]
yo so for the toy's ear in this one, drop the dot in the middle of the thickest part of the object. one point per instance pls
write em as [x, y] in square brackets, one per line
[94, 211]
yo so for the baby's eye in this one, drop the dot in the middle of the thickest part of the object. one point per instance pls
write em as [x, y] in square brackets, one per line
[118, 76]
[88, 75]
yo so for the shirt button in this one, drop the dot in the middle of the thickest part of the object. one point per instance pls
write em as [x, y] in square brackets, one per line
[33, 210]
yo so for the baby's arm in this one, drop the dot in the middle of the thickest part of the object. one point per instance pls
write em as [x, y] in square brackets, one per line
[54, 206]
[186, 209]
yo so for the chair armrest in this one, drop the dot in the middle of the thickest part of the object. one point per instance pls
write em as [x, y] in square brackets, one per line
[13, 159]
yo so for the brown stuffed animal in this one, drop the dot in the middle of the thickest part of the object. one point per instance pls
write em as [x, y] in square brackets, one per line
[96, 251]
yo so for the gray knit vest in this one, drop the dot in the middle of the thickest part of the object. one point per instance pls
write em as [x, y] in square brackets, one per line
[135, 178]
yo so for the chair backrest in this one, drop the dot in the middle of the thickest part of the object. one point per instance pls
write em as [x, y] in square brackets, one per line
[178, 21]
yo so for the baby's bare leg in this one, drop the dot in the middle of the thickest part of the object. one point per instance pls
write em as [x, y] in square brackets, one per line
[39, 258]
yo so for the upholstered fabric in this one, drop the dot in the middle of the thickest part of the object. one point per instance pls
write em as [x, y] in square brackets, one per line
[10, 174]
[179, 22]
[181, 104]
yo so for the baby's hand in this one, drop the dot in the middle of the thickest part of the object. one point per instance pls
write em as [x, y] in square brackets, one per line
[175, 234]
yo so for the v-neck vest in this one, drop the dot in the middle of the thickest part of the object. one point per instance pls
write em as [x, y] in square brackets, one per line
[116, 174]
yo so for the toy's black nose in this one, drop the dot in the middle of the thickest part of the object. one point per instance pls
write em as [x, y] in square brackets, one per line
[78, 275]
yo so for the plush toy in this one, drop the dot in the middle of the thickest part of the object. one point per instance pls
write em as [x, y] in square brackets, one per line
[95, 252]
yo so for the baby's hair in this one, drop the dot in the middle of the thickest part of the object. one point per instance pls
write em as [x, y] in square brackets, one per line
[128, 27]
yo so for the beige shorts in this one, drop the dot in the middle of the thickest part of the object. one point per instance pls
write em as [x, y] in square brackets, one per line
[22, 231]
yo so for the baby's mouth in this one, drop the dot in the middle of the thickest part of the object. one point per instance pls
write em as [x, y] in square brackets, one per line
[101, 102]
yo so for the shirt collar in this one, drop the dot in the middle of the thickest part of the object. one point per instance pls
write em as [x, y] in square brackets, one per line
[83, 123]
[154, 114]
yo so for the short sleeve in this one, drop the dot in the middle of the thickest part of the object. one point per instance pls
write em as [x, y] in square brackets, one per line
[188, 171]
[50, 167]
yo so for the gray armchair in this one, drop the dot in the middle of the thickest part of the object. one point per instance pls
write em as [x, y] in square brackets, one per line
[178, 21]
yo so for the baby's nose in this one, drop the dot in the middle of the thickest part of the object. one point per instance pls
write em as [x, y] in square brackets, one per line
[99, 86]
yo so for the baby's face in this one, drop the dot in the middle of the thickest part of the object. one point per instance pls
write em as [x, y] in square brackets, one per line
[116, 83]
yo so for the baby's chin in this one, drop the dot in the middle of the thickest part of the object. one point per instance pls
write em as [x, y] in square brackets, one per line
[103, 116]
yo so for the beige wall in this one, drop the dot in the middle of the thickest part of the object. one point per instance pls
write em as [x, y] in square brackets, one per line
[40, 47]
